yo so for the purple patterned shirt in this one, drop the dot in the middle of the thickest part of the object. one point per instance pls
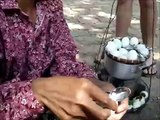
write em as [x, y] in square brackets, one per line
[30, 51]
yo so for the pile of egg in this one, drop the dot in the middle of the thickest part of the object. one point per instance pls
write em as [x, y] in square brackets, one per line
[127, 48]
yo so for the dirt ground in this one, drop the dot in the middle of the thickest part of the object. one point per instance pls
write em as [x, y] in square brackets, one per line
[88, 19]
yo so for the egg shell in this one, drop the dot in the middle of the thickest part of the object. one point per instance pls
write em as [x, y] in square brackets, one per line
[132, 55]
[110, 46]
[115, 53]
[123, 57]
[144, 52]
[140, 46]
[123, 51]
[118, 43]
[134, 41]
[125, 42]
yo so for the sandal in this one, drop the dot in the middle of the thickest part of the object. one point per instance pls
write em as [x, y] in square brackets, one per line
[148, 73]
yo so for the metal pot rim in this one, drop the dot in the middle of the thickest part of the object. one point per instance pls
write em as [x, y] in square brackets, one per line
[129, 62]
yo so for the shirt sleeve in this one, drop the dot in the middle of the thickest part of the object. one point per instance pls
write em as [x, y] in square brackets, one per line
[17, 101]
[65, 50]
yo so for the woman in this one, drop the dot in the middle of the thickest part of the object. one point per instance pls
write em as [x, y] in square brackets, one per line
[148, 16]
[38, 68]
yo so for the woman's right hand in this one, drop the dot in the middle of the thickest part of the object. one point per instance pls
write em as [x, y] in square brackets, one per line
[71, 97]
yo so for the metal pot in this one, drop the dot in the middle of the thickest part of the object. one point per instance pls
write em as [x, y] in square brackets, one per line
[122, 70]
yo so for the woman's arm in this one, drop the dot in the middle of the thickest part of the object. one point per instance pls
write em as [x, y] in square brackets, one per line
[17, 101]
[65, 50]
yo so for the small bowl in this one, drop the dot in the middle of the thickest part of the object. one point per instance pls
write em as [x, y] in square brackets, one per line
[119, 94]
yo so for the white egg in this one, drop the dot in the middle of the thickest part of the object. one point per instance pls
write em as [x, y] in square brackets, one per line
[144, 52]
[140, 46]
[123, 57]
[115, 53]
[145, 94]
[110, 46]
[118, 43]
[132, 55]
[134, 41]
[123, 51]
[125, 42]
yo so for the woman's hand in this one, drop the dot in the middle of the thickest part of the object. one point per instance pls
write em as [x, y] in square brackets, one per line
[71, 97]
[122, 109]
